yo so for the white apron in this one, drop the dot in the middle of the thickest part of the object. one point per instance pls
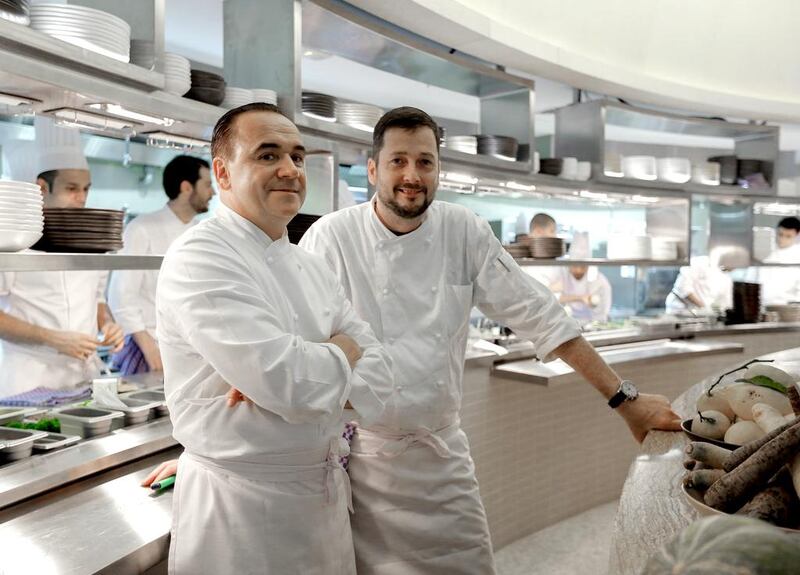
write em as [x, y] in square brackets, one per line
[284, 517]
[417, 491]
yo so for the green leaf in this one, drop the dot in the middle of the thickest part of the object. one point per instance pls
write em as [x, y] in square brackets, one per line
[765, 381]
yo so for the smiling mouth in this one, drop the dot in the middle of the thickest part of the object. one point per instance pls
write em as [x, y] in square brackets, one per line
[410, 192]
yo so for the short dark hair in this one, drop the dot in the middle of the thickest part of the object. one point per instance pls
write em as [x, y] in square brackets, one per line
[542, 220]
[49, 177]
[407, 118]
[790, 223]
[221, 139]
[181, 169]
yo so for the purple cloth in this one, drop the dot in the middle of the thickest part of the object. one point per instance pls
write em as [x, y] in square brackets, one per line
[129, 359]
[349, 432]
[48, 397]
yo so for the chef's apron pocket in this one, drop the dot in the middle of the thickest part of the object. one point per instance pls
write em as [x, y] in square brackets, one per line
[458, 303]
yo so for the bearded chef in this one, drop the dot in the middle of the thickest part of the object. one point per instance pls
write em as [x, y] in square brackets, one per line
[581, 288]
[261, 488]
[781, 285]
[52, 322]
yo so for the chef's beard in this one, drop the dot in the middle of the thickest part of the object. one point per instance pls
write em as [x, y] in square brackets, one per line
[408, 213]
[197, 203]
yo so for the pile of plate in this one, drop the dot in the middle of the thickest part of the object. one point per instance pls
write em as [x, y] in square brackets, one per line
[320, 106]
[81, 230]
[546, 248]
[177, 74]
[466, 144]
[503, 147]
[628, 247]
[518, 250]
[551, 166]
[359, 116]
[728, 168]
[94, 30]
[264, 95]
[746, 303]
[15, 11]
[674, 170]
[143, 54]
[787, 312]
[639, 167]
[664, 249]
[207, 87]
[21, 220]
[707, 173]
[235, 97]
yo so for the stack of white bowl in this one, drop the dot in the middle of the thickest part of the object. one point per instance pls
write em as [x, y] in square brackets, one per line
[264, 95]
[466, 144]
[94, 30]
[626, 247]
[664, 249]
[21, 216]
[143, 54]
[639, 167]
[359, 116]
[707, 173]
[674, 170]
[235, 97]
[763, 242]
[177, 74]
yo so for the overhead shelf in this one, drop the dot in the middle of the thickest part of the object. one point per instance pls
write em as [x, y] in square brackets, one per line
[38, 261]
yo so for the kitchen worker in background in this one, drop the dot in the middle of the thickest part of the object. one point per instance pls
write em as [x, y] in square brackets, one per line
[782, 285]
[50, 320]
[261, 487]
[703, 286]
[581, 288]
[543, 226]
[132, 293]
[413, 268]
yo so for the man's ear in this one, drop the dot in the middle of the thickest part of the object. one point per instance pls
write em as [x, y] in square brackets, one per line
[372, 172]
[221, 173]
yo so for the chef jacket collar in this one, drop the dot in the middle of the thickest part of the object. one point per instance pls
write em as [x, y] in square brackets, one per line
[228, 215]
[384, 233]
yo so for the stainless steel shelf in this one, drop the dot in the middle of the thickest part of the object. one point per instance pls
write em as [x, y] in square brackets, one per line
[600, 262]
[56, 262]
[686, 189]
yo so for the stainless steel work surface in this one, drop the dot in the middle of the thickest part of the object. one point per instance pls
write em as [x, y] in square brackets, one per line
[40, 473]
[534, 371]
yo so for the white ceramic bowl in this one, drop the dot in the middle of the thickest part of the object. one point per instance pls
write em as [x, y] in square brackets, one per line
[18, 240]
[674, 170]
[639, 167]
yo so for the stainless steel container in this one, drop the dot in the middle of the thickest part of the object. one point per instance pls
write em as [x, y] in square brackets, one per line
[152, 397]
[15, 413]
[136, 410]
[87, 421]
[17, 444]
[53, 441]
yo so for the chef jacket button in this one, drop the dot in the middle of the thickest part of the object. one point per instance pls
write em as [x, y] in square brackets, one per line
[270, 260]
[327, 311]
[438, 336]
[399, 387]
[390, 340]
[385, 291]
[440, 382]
[434, 289]
[296, 317]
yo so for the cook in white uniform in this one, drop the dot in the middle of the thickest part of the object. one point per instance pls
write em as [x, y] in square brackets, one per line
[261, 488]
[582, 289]
[50, 320]
[543, 226]
[132, 293]
[781, 285]
[703, 286]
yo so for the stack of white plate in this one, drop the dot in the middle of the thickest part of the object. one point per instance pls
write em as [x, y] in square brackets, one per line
[177, 74]
[707, 173]
[639, 167]
[359, 116]
[675, 170]
[264, 95]
[787, 312]
[320, 106]
[763, 242]
[466, 144]
[21, 217]
[626, 247]
[94, 30]
[664, 249]
[235, 97]
[143, 54]
[15, 11]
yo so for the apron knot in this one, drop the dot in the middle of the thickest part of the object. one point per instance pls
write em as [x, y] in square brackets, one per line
[339, 448]
[398, 446]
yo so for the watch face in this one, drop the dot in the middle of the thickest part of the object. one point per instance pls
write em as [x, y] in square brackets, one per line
[629, 389]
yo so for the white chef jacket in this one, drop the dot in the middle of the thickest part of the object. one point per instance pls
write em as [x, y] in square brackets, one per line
[781, 285]
[709, 283]
[238, 309]
[416, 291]
[132, 293]
[593, 283]
[59, 300]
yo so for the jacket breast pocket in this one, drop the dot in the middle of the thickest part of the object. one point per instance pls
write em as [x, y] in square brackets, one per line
[458, 303]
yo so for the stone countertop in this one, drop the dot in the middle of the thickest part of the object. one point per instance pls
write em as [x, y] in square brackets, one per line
[652, 508]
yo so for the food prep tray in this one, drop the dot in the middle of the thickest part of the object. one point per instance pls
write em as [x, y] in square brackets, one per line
[152, 397]
[136, 410]
[16, 413]
[88, 421]
[53, 441]
[16, 444]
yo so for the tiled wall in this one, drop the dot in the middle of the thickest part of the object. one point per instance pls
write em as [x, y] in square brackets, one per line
[546, 453]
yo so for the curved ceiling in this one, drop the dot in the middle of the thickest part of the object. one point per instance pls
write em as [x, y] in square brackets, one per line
[714, 56]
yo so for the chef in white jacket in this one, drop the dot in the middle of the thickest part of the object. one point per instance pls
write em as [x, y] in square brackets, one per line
[581, 288]
[261, 488]
[781, 285]
[702, 286]
[50, 320]
[132, 293]
[543, 226]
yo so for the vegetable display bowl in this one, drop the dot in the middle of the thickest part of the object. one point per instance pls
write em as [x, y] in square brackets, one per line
[695, 499]
[686, 425]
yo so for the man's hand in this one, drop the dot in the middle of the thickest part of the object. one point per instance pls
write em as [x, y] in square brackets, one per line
[648, 412]
[113, 336]
[235, 396]
[350, 348]
[161, 472]
[72, 343]
[149, 347]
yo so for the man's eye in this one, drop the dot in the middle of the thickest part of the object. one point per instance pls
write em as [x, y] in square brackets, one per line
[269, 157]
[299, 160]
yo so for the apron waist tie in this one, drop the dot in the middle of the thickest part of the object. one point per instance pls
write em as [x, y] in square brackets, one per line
[339, 448]
[398, 443]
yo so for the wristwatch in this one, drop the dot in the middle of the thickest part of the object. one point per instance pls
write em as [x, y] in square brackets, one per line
[626, 392]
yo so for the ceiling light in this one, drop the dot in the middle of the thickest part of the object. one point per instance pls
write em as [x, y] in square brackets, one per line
[89, 120]
[165, 140]
[522, 187]
[117, 110]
